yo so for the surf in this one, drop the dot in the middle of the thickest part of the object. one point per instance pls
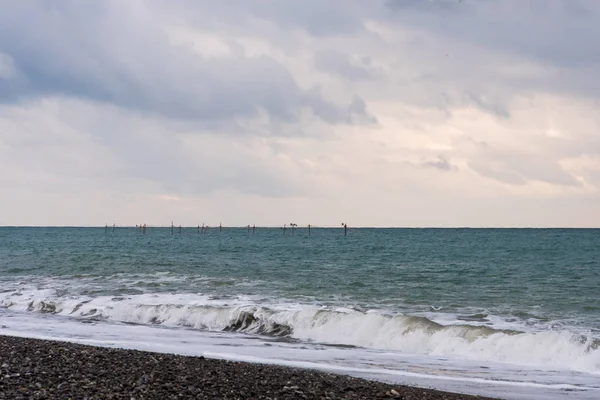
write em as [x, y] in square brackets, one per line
[337, 326]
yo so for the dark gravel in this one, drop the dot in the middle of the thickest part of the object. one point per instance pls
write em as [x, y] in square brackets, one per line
[41, 369]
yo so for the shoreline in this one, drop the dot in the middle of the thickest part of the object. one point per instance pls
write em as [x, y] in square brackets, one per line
[47, 369]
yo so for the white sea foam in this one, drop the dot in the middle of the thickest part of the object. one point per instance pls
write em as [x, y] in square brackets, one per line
[497, 380]
[340, 326]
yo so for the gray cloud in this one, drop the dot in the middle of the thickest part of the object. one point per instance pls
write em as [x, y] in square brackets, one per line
[424, 5]
[319, 18]
[96, 53]
[501, 174]
[554, 46]
[7, 67]
[315, 17]
[441, 163]
[358, 112]
[96, 145]
[336, 62]
[517, 170]
[105, 97]
[496, 106]
[563, 33]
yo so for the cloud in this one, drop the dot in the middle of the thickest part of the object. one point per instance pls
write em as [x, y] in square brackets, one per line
[60, 142]
[97, 54]
[542, 30]
[316, 111]
[316, 18]
[519, 171]
[319, 18]
[440, 163]
[333, 61]
[425, 5]
[7, 66]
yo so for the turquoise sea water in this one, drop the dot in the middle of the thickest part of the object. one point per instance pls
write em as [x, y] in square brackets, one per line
[528, 297]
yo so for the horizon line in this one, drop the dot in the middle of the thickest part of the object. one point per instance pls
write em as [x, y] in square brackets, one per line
[298, 227]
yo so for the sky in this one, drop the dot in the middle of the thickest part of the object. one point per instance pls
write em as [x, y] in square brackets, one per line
[409, 113]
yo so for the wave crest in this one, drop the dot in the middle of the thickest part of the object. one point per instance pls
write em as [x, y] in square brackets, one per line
[406, 334]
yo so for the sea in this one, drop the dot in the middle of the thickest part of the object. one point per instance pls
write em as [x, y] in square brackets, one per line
[507, 313]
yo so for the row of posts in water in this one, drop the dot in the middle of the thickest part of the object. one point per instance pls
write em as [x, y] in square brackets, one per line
[204, 229]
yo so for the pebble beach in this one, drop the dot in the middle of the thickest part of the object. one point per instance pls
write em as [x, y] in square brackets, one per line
[43, 369]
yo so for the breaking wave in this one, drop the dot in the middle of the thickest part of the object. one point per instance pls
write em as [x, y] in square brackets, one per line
[348, 327]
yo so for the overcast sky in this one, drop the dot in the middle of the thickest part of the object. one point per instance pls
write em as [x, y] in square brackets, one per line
[375, 113]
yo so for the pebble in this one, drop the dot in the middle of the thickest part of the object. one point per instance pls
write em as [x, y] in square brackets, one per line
[66, 370]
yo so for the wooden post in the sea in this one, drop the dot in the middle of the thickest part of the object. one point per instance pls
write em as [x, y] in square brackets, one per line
[308, 229]
[253, 228]
[345, 228]
[220, 227]
[284, 228]
[248, 229]
[144, 229]
[180, 229]
[172, 226]
[106, 229]
[113, 228]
